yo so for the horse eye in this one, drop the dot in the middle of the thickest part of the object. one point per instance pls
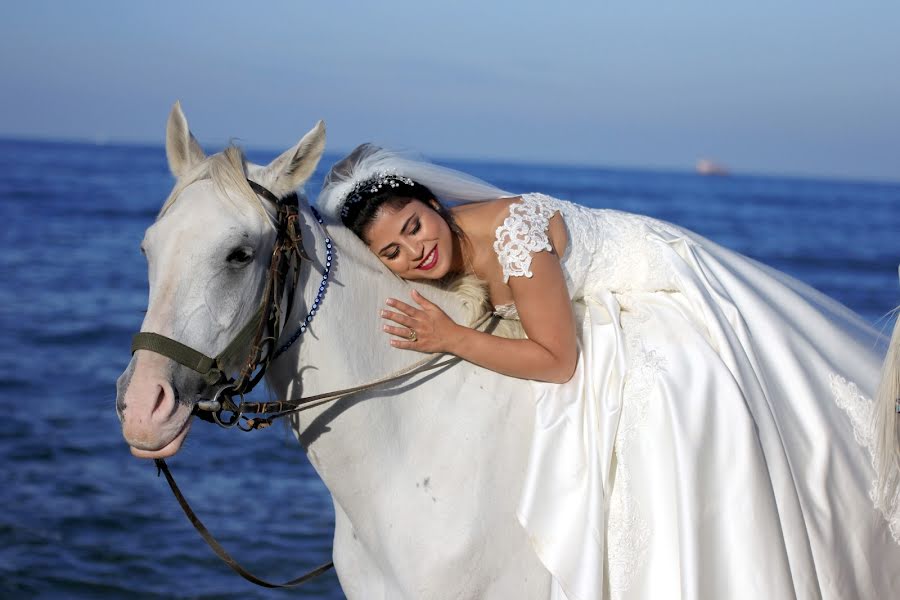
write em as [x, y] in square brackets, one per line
[240, 256]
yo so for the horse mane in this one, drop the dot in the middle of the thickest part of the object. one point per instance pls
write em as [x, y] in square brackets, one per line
[227, 170]
[474, 295]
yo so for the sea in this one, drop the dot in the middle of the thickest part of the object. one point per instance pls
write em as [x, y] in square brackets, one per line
[81, 518]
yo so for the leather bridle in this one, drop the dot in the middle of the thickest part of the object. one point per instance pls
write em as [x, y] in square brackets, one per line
[259, 334]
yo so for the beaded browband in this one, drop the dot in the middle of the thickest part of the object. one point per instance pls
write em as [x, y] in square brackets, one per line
[373, 185]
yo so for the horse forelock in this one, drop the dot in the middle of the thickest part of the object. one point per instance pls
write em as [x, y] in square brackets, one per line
[227, 170]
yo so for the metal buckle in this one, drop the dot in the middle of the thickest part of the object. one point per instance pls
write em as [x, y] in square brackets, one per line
[215, 407]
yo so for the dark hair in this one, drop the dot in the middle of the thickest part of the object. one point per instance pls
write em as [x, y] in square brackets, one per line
[361, 211]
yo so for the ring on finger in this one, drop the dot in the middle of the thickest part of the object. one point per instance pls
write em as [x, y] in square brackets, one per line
[413, 336]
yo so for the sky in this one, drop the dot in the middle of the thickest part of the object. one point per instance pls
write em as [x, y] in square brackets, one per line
[795, 87]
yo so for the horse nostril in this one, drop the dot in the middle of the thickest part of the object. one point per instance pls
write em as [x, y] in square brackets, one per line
[160, 398]
[166, 402]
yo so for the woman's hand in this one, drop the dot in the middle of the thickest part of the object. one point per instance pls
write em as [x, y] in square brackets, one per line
[425, 329]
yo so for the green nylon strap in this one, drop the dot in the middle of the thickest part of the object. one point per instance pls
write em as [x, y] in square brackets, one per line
[183, 355]
[210, 368]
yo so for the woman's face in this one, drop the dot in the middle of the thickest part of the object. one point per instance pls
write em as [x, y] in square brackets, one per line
[415, 242]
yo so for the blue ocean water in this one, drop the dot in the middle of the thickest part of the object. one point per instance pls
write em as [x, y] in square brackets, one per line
[82, 518]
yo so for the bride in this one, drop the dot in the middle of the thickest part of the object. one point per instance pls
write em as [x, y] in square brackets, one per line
[704, 424]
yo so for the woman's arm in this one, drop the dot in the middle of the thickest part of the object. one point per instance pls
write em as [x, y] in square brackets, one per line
[550, 352]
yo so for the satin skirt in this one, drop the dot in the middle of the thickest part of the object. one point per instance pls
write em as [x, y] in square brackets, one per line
[713, 443]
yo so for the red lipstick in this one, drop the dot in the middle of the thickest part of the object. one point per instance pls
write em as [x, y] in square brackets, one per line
[430, 261]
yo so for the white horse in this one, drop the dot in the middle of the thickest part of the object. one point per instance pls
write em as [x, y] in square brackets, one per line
[425, 475]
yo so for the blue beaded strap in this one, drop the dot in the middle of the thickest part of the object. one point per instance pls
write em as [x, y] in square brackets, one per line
[329, 255]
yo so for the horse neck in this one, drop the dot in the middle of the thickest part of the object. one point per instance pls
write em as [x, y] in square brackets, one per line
[437, 426]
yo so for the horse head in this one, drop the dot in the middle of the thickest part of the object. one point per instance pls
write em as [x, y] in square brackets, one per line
[208, 253]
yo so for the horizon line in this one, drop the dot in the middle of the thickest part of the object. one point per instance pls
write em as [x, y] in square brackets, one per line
[675, 170]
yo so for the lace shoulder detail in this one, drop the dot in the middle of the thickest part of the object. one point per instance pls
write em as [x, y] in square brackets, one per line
[523, 233]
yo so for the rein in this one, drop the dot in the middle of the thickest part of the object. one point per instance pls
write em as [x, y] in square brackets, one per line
[286, 256]
[217, 547]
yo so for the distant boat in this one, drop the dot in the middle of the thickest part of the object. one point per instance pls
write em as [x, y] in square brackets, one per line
[707, 167]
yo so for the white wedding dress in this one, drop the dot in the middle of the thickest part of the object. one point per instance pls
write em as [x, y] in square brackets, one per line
[715, 439]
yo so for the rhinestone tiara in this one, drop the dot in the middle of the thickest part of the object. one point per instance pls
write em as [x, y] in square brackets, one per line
[373, 185]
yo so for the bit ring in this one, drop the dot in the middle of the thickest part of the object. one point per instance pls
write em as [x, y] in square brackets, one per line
[224, 393]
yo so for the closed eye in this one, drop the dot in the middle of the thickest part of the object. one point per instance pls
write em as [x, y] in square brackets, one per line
[416, 227]
[393, 253]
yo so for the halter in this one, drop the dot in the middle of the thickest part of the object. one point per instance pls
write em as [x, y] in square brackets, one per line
[287, 254]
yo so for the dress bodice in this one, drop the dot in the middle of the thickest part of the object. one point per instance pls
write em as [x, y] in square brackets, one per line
[606, 249]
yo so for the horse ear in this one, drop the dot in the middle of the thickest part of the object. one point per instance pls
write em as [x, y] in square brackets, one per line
[290, 170]
[182, 148]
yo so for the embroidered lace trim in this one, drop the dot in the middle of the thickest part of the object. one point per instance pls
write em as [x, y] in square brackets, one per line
[860, 411]
[628, 533]
[523, 233]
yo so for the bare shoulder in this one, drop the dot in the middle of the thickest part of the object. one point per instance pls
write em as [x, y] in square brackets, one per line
[481, 219]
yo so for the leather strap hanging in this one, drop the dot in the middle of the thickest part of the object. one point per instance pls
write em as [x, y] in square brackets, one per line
[220, 551]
